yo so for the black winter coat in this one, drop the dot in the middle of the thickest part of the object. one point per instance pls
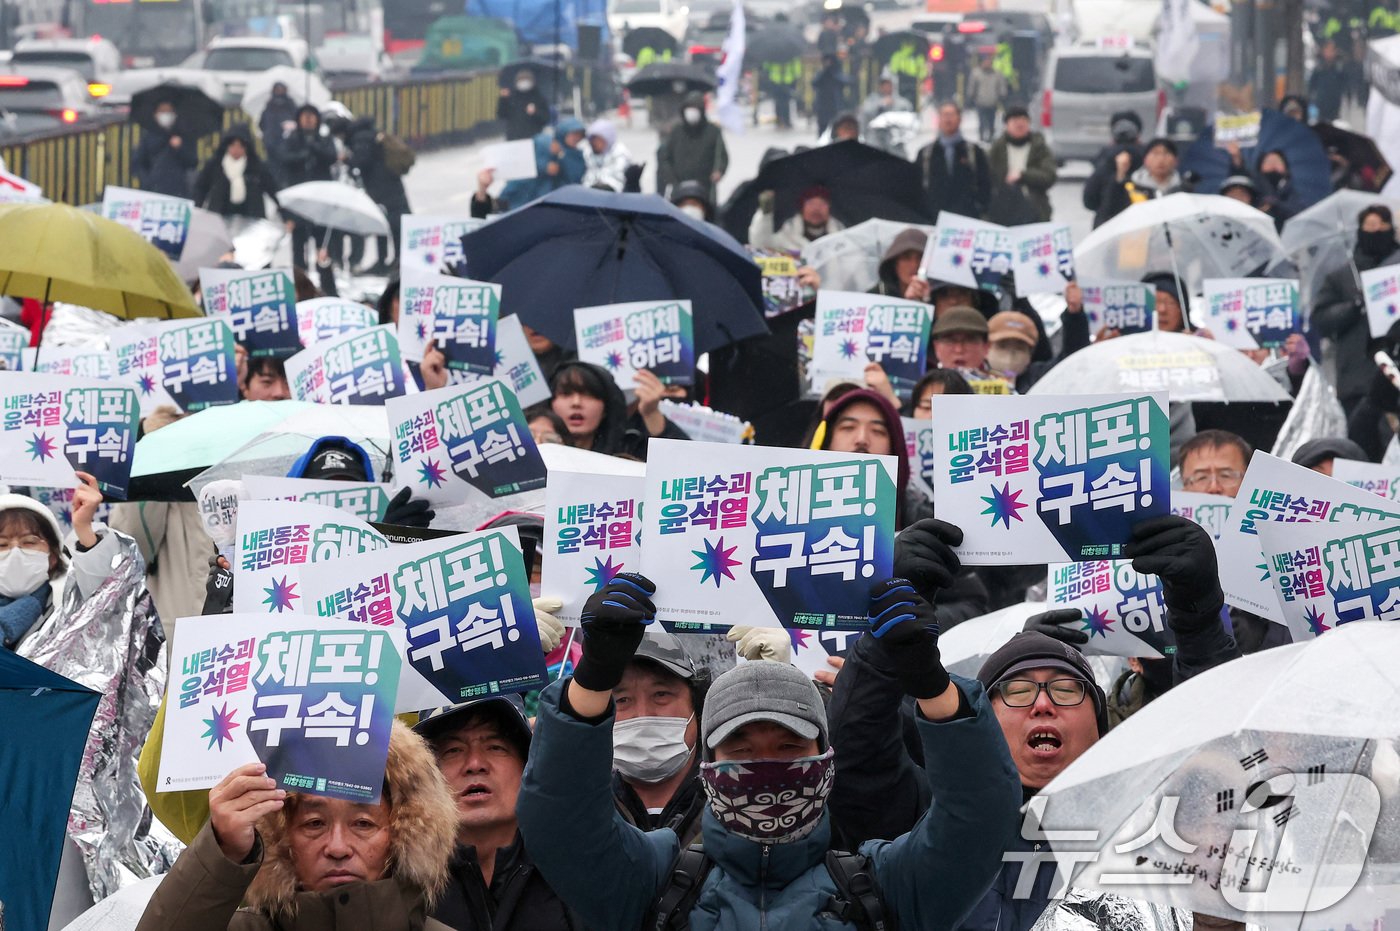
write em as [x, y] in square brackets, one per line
[1339, 313]
[967, 190]
[518, 898]
[522, 122]
[162, 168]
[211, 187]
[306, 156]
[367, 157]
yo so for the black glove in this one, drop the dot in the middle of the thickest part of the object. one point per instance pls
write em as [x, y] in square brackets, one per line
[1182, 554]
[923, 554]
[904, 627]
[613, 621]
[1050, 624]
[218, 590]
[407, 511]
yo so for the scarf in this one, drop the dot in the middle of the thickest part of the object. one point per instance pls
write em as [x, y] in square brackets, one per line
[18, 615]
[233, 170]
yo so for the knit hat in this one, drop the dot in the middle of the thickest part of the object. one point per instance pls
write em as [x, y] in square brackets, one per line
[1030, 650]
[763, 690]
[1329, 447]
[816, 190]
[1011, 112]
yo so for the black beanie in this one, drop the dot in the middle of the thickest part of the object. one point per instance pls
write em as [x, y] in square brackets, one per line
[1329, 447]
[1026, 648]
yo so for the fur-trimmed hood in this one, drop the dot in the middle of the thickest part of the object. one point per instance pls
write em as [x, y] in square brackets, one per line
[423, 820]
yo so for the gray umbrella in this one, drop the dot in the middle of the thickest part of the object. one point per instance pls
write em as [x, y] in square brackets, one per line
[207, 242]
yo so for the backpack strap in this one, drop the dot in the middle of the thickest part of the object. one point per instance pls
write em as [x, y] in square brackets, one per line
[672, 909]
[857, 898]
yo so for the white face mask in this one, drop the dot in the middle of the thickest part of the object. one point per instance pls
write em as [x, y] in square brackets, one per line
[524, 86]
[22, 571]
[650, 749]
[165, 120]
[1015, 359]
[695, 211]
[691, 115]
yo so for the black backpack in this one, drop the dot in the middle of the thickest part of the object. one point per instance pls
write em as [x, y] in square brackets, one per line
[857, 897]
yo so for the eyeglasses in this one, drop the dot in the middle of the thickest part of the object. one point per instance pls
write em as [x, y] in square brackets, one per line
[1022, 693]
[1203, 477]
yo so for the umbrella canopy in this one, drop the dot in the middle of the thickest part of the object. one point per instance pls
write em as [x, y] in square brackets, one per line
[302, 86]
[661, 43]
[776, 42]
[864, 183]
[545, 73]
[44, 722]
[335, 205]
[120, 911]
[55, 252]
[198, 113]
[850, 260]
[1361, 152]
[1188, 368]
[1277, 756]
[1321, 239]
[1201, 235]
[578, 247]
[966, 646]
[670, 78]
[1308, 167]
[207, 242]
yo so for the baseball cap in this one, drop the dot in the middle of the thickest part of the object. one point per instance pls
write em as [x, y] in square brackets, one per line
[336, 463]
[764, 690]
[506, 710]
[958, 320]
[1012, 324]
[664, 649]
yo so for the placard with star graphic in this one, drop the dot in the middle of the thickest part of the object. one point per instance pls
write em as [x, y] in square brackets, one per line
[1251, 313]
[457, 315]
[1275, 490]
[323, 318]
[365, 500]
[433, 243]
[1042, 258]
[277, 538]
[592, 522]
[766, 536]
[187, 364]
[972, 253]
[1382, 289]
[260, 307]
[1332, 573]
[53, 425]
[361, 367]
[1123, 611]
[854, 329]
[310, 697]
[463, 603]
[1042, 479]
[658, 336]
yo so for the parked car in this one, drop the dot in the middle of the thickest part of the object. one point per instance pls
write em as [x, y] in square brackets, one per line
[234, 60]
[670, 15]
[351, 55]
[40, 97]
[95, 58]
[1083, 86]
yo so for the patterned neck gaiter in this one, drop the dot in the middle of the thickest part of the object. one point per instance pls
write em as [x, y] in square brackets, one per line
[769, 801]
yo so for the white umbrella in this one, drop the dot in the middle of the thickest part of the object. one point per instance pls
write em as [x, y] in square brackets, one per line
[302, 87]
[1210, 237]
[966, 646]
[120, 911]
[1259, 791]
[1188, 368]
[1320, 239]
[850, 260]
[207, 242]
[335, 206]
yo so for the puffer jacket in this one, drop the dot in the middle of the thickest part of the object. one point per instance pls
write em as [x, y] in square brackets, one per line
[204, 890]
[610, 872]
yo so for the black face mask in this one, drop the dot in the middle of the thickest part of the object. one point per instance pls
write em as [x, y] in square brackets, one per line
[1275, 177]
[1377, 245]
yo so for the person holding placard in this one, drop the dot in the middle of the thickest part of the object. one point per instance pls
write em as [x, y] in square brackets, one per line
[268, 859]
[597, 415]
[899, 268]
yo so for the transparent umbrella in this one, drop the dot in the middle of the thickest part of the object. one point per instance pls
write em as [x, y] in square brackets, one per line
[335, 206]
[120, 911]
[1266, 790]
[1320, 239]
[966, 647]
[850, 260]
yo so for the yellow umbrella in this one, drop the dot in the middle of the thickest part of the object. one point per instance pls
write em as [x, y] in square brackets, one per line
[54, 252]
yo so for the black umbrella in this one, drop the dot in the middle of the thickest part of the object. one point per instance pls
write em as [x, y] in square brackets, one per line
[670, 78]
[1361, 152]
[865, 183]
[578, 247]
[546, 73]
[778, 42]
[197, 114]
[661, 43]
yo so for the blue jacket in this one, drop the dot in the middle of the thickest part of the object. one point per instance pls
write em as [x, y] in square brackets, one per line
[572, 166]
[611, 873]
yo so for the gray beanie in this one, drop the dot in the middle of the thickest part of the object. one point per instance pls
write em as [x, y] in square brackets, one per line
[763, 690]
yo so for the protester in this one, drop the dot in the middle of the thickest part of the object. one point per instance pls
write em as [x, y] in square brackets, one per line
[1012, 338]
[1241, 188]
[692, 198]
[934, 383]
[306, 154]
[558, 163]
[1295, 107]
[234, 181]
[1021, 160]
[1172, 305]
[265, 379]
[277, 121]
[986, 90]
[1327, 84]
[899, 268]
[269, 859]
[523, 108]
[1272, 185]
[162, 162]
[608, 161]
[959, 336]
[1157, 177]
[812, 221]
[845, 127]
[1113, 163]
[882, 100]
[385, 187]
[770, 717]
[597, 415]
[1320, 454]
[829, 93]
[694, 151]
[956, 176]
[1339, 310]
[1214, 462]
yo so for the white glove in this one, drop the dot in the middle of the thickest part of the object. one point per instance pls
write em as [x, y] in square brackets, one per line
[551, 628]
[771, 643]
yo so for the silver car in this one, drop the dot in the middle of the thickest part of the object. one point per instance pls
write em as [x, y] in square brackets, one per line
[1084, 87]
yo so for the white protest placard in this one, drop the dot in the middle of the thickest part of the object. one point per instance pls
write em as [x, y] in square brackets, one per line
[1212, 512]
[277, 538]
[323, 318]
[461, 437]
[1239, 128]
[16, 190]
[1042, 258]
[1381, 287]
[54, 425]
[91, 361]
[708, 426]
[365, 500]
[658, 336]
[854, 329]
[1331, 573]
[512, 161]
[1274, 490]
[432, 243]
[1125, 306]
[516, 365]
[456, 314]
[260, 306]
[463, 604]
[312, 698]
[1377, 478]
[1251, 313]
[361, 367]
[591, 525]
[972, 253]
[1041, 479]
[766, 536]
[188, 364]
[918, 443]
[162, 221]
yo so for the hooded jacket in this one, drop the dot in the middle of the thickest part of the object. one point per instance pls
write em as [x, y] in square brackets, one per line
[211, 187]
[306, 156]
[161, 167]
[611, 872]
[910, 240]
[618, 433]
[692, 153]
[204, 890]
[898, 447]
[1339, 313]
[298, 469]
[366, 145]
[610, 168]
[570, 161]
